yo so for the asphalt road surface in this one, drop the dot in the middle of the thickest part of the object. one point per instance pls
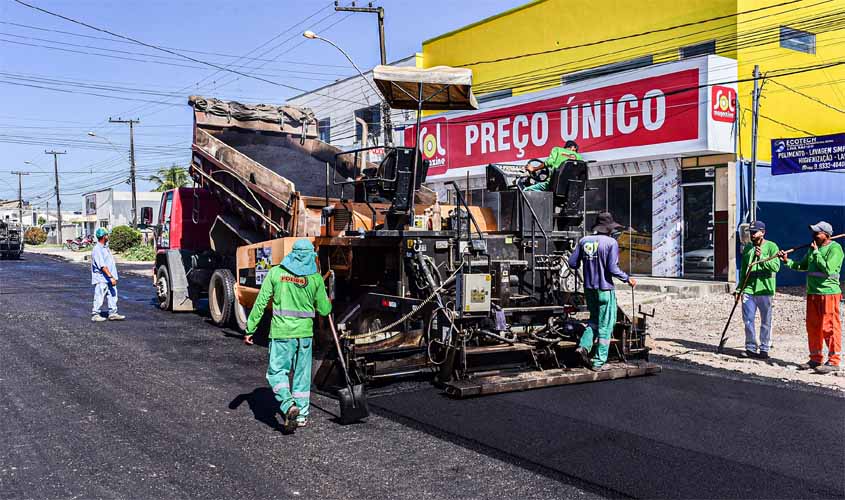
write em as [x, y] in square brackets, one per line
[166, 405]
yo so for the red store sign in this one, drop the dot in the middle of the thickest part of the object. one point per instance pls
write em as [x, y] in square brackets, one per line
[650, 111]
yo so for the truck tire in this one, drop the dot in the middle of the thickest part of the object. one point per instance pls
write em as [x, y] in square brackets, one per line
[221, 296]
[164, 289]
[240, 316]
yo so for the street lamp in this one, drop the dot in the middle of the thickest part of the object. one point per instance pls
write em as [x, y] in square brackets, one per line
[92, 134]
[385, 108]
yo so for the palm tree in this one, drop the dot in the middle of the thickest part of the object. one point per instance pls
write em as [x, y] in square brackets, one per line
[170, 178]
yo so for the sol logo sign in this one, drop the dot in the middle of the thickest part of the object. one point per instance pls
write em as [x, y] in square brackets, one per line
[723, 101]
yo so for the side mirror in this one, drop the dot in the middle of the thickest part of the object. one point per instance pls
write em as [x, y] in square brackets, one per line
[146, 215]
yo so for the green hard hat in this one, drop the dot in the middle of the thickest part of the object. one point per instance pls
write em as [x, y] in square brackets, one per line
[101, 231]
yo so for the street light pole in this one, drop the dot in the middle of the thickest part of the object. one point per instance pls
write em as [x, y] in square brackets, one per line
[20, 195]
[58, 198]
[385, 108]
[131, 165]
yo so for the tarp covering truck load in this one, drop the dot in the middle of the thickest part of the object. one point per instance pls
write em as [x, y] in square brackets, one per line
[479, 303]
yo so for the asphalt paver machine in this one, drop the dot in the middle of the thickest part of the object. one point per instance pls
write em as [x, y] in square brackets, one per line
[482, 304]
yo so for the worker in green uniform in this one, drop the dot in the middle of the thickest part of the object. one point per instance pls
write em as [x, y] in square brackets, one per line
[759, 290]
[823, 265]
[556, 158]
[297, 291]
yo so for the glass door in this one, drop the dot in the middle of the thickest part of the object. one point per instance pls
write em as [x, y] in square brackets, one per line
[698, 219]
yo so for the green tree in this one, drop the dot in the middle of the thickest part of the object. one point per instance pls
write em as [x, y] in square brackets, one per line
[123, 238]
[170, 178]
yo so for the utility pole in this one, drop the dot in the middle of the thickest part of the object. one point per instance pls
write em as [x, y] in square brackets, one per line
[20, 195]
[56, 154]
[755, 97]
[131, 165]
[385, 108]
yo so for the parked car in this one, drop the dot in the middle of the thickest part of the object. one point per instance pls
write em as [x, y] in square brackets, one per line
[699, 261]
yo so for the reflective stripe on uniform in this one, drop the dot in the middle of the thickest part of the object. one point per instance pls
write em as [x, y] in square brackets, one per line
[278, 387]
[301, 395]
[293, 314]
[817, 274]
[604, 341]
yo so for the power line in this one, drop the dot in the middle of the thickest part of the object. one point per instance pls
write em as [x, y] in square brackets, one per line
[732, 37]
[619, 38]
[758, 36]
[834, 108]
[70, 33]
[162, 49]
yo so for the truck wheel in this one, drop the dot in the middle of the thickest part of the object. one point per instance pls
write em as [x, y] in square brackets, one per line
[163, 289]
[240, 316]
[221, 296]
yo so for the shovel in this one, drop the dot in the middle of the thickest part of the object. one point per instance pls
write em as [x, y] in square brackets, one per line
[353, 398]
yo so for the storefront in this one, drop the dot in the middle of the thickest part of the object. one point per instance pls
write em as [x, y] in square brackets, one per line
[660, 141]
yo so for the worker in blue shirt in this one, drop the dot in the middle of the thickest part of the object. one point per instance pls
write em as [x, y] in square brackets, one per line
[104, 278]
[599, 255]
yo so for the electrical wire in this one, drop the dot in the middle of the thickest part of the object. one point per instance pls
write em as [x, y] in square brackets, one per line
[619, 38]
[162, 49]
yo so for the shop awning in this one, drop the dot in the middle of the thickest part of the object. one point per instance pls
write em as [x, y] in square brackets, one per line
[443, 87]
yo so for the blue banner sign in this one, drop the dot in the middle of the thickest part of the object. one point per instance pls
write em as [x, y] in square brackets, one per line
[808, 154]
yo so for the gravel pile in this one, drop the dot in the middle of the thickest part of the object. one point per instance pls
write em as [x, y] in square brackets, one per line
[688, 331]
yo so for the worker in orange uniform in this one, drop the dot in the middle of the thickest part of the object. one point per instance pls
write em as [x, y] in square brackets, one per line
[823, 263]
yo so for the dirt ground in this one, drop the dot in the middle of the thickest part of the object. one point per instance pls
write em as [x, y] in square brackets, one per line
[687, 331]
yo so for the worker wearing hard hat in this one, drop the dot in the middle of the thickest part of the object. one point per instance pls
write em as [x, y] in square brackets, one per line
[599, 254]
[759, 290]
[823, 264]
[557, 157]
[297, 292]
[104, 278]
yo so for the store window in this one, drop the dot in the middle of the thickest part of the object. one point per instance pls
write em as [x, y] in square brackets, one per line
[699, 49]
[372, 117]
[324, 127]
[607, 69]
[494, 96]
[629, 200]
[802, 41]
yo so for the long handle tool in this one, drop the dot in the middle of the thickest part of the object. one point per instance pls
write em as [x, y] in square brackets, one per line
[745, 281]
[353, 398]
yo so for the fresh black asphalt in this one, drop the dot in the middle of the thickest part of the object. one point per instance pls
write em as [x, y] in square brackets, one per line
[167, 405]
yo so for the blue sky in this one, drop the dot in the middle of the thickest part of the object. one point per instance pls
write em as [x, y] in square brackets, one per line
[40, 53]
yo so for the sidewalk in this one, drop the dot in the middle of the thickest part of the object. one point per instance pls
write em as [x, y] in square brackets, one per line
[136, 268]
[686, 331]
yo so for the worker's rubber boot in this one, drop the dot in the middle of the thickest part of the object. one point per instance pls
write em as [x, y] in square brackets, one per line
[290, 419]
[809, 365]
[825, 369]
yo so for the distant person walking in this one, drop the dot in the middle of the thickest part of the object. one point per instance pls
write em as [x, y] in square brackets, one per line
[759, 291]
[823, 264]
[298, 293]
[599, 254]
[104, 278]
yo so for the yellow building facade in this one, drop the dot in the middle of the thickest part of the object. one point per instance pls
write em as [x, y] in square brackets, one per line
[572, 36]
[531, 50]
